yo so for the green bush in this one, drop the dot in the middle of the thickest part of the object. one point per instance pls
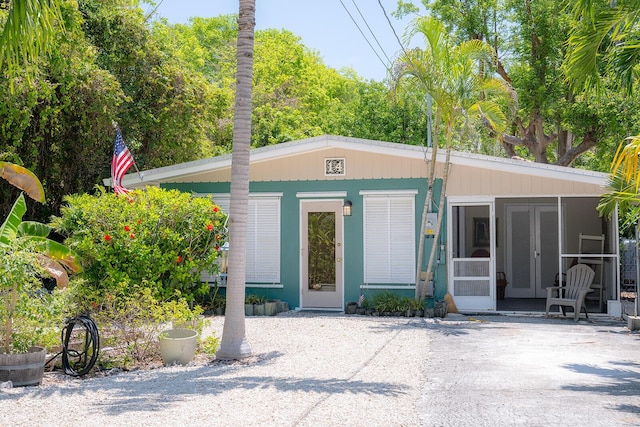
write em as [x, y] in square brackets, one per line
[389, 302]
[142, 255]
[155, 238]
[36, 316]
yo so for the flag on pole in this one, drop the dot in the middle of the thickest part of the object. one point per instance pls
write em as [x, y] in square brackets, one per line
[122, 161]
[361, 300]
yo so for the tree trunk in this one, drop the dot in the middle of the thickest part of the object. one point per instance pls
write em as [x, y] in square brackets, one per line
[436, 236]
[234, 344]
[425, 209]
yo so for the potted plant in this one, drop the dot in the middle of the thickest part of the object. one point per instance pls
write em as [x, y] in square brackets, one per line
[219, 304]
[258, 304]
[26, 255]
[270, 307]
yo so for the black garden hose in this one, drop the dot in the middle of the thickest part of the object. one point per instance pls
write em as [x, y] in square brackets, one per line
[78, 362]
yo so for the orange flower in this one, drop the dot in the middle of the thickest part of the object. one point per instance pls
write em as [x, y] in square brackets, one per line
[215, 209]
[126, 228]
[132, 235]
[209, 227]
[107, 237]
[217, 248]
[179, 259]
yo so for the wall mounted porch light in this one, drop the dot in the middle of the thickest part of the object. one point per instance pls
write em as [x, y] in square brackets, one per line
[346, 208]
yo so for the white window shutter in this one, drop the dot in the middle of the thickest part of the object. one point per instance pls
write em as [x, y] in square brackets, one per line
[389, 242]
[263, 237]
[263, 240]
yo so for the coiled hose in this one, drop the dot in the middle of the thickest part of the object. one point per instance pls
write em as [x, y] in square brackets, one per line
[78, 362]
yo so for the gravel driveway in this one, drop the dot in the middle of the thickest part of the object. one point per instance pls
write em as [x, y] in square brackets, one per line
[319, 369]
[309, 369]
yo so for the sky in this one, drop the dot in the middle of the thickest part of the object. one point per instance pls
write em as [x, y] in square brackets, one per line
[323, 26]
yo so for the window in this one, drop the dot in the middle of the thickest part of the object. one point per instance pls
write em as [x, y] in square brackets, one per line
[263, 235]
[389, 237]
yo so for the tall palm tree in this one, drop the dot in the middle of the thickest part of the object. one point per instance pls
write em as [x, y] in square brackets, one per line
[457, 80]
[28, 31]
[605, 39]
[234, 344]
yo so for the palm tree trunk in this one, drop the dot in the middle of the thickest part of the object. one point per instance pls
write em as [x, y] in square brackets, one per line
[436, 236]
[234, 344]
[421, 291]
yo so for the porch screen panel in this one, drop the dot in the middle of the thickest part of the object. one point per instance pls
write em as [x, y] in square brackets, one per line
[389, 242]
[263, 240]
[471, 277]
[471, 268]
[471, 288]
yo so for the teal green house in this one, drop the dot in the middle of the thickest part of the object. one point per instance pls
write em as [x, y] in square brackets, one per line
[332, 218]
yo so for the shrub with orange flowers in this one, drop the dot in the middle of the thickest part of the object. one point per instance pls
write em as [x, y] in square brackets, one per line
[154, 238]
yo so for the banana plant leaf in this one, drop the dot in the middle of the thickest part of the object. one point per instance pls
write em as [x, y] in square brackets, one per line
[55, 270]
[24, 179]
[55, 251]
[9, 229]
[33, 228]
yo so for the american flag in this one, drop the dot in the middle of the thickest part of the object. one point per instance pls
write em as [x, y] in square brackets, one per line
[122, 161]
[360, 300]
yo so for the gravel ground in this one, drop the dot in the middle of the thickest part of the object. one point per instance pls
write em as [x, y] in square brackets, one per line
[308, 369]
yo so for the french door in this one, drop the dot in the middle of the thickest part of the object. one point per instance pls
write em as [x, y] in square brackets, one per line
[532, 249]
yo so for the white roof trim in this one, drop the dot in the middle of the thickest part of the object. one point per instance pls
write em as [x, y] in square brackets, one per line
[388, 148]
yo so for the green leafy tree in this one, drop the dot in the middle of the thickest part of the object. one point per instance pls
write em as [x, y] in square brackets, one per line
[58, 122]
[552, 124]
[165, 115]
[27, 33]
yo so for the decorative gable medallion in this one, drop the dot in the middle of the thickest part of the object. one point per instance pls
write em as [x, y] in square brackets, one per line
[334, 167]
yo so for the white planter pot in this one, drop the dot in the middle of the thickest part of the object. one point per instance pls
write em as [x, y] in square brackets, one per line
[178, 346]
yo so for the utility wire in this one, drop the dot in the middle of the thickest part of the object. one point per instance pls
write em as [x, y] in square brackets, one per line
[363, 35]
[392, 28]
[371, 31]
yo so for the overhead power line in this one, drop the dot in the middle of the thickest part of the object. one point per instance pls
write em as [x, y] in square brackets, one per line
[371, 31]
[385, 64]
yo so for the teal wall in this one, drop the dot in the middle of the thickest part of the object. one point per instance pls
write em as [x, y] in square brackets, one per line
[353, 230]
